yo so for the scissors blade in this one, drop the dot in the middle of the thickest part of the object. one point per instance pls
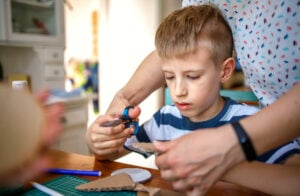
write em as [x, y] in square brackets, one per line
[112, 123]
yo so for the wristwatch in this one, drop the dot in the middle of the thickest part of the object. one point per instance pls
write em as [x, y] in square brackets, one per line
[245, 141]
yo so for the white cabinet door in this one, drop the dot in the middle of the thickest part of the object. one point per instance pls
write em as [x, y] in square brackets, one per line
[2, 22]
[33, 22]
[72, 137]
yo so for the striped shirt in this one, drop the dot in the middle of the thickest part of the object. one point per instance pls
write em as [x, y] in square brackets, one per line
[168, 124]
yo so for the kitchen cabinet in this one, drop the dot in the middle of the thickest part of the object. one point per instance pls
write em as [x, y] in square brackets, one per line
[52, 72]
[32, 22]
[32, 42]
[44, 66]
[75, 119]
[2, 22]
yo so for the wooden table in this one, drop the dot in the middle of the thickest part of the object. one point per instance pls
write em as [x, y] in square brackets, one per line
[76, 161]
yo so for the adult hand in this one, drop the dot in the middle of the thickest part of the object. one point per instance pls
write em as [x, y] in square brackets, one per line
[34, 167]
[106, 142]
[194, 162]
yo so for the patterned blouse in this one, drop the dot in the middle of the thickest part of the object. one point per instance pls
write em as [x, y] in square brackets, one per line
[267, 42]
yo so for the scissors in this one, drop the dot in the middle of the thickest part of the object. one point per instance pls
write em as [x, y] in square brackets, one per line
[125, 119]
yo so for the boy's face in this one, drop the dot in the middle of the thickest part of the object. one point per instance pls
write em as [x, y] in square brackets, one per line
[194, 83]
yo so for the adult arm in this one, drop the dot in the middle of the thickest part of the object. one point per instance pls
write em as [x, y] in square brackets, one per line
[275, 124]
[147, 78]
[107, 142]
[273, 179]
[197, 160]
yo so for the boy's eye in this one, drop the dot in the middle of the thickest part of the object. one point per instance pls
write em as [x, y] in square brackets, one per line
[169, 77]
[193, 77]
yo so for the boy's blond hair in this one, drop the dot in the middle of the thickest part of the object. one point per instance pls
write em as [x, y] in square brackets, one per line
[184, 30]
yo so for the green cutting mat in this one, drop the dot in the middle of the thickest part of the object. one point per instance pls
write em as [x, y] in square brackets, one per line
[66, 185]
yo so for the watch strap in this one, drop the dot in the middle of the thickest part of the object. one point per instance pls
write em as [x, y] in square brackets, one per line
[245, 141]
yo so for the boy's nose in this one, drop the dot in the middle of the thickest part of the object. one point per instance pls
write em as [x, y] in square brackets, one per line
[180, 89]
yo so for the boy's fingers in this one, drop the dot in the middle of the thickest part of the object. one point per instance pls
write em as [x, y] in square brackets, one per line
[134, 112]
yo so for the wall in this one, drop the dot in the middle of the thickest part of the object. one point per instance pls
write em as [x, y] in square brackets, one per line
[126, 35]
[127, 31]
[78, 28]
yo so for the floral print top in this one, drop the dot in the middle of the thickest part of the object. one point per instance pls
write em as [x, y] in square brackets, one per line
[267, 42]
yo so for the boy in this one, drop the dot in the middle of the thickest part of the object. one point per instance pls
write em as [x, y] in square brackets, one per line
[195, 45]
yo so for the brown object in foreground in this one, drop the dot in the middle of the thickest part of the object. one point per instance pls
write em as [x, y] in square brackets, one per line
[22, 122]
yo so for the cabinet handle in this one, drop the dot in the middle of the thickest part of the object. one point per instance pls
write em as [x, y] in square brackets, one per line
[63, 120]
[55, 55]
[56, 72]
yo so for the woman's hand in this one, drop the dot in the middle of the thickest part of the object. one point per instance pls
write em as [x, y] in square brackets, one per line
[194, 162]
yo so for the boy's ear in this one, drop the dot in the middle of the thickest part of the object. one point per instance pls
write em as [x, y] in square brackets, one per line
[227, 69]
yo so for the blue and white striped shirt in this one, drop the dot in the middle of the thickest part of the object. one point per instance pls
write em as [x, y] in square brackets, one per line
[168, 124]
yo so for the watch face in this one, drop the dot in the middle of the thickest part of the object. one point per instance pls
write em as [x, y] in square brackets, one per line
[136, 174]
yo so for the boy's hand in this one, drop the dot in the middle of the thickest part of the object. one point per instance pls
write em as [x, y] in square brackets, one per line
[106, 142]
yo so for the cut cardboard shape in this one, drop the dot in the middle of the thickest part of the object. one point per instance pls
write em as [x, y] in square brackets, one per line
[117, 182]
[138, 175]
[144, 148]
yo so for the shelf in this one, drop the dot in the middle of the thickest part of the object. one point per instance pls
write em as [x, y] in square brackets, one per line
[32, 22]
[36, 3]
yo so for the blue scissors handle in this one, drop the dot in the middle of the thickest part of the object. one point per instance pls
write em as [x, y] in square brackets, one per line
[125, 114]
[129, 121]
[125, 118]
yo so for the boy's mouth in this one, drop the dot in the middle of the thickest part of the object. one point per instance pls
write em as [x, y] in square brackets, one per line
[183, 106]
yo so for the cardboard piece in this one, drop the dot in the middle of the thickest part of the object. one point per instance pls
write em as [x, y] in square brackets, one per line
[143, 148]
[150, 190]
[22, 122]
[117, 182]
[136, 174]
[146, 147]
